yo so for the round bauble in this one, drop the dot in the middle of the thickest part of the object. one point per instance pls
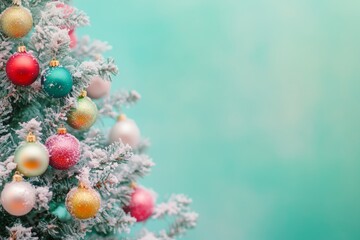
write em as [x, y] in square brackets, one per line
[73, 38]
[57, 81]
[125, 130]
[142, 204]
[84, 114]
[18, 197]
[67, 9]
[32, 157]
[16, 21]
[22, 68]
[83, 202]
[98, 88]
[64, 150]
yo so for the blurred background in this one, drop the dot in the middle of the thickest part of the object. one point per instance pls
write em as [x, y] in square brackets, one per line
[251, 108]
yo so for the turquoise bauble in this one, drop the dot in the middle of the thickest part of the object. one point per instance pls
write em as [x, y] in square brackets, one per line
[57, 81]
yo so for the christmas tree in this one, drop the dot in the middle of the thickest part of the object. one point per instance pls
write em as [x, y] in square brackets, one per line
[61, 176]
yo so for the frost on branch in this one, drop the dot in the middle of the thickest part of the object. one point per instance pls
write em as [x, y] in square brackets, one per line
[32, 126]
[111, 106]
[59, 16]
[6, 169]
[138, 166]
[90, 49]
[43, 197]
[178, 208]
[18, 232]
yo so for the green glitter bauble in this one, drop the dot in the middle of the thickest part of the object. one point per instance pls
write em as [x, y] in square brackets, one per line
[57, 81]
[83, 115]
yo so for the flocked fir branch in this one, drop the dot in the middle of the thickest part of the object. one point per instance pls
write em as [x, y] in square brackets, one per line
[110, 169]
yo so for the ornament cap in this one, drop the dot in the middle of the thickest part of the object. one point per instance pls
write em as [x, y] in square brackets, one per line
[17, 2]
[82, 185]
[62, 130]
[121, 117]
[83, 94]
[30, 138]
[17, 177]
[21, 49]
[54, 63]
[133, 185]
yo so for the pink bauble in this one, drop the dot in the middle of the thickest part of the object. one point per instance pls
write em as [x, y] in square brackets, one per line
[18, 198]
[126, 131]
[98, 88]
[64, 150]
[67, 9]
[141, 204]
[73, 38]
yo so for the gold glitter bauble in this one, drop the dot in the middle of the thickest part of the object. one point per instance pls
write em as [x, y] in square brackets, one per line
[16, 21]
[83, 115]
[83, 202]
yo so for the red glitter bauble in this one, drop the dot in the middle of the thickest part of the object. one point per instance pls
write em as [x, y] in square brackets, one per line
[141, 204]
[64, 150]
[22, 69]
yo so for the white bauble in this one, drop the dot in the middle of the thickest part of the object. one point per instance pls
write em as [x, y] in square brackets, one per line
[18, 197]
[126, 130]
[32, 159]
[98, 88]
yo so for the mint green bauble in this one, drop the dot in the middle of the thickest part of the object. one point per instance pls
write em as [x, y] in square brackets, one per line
[57, 81]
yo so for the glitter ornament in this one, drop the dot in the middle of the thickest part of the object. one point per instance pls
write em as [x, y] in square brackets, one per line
[142, 204]
[98, 88]
[125, 130]
[57, 80]
[18, 197]
[83, 202]
[64, 150]
[32, 157]
[84, 114]
[22, 68]
[16, 21]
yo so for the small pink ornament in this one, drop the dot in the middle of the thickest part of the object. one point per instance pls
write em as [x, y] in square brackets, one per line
[141, 204]
[64, 150]
[73, 38]
[67, 9]
[98, 88]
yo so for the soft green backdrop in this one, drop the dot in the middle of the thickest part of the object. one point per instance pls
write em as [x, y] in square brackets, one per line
[252, 107]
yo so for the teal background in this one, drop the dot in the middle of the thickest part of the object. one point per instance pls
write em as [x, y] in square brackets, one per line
[251, 107]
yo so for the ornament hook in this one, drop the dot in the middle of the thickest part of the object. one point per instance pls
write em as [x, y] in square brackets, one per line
[17, 177]
[121, 117]
[83, 94]
[17, 2]
[30, 138]
[54, 63]
[61, 129]
[133, 185]
[82, 185]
